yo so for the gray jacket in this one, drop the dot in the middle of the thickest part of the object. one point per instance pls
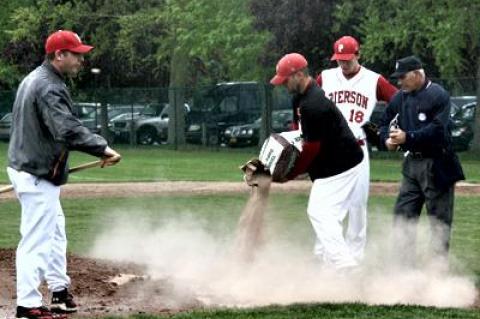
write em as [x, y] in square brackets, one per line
[44, 128]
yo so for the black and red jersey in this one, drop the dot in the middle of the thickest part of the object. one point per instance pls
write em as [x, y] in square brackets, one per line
[322, 123]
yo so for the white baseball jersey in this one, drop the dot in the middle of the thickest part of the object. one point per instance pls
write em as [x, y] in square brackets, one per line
[355, 97]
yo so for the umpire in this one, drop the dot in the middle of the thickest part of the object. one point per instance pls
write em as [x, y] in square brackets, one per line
[430, 168]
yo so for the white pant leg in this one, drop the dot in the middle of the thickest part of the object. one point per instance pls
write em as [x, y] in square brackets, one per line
[40, 204]
[329, 202]
[56, 275]
[356, 234]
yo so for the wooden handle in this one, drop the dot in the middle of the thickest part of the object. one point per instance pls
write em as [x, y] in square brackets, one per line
[6, 189]
[85, 166]
[81, 167]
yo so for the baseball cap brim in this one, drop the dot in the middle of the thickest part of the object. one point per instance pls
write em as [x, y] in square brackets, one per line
[278, 80]
[398, 74]
[82, 49]
[342, 56]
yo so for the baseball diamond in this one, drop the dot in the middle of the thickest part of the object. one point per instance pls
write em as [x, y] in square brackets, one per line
[98, 282]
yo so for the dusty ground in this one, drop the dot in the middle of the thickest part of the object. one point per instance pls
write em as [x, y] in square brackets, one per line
[98, 285]
[79, 190]
[100, 290]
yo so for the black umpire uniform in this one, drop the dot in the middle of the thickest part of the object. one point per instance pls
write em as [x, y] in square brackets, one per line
[430, 168]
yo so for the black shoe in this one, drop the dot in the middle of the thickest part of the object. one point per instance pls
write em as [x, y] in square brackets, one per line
[62, 302]
[36, 313]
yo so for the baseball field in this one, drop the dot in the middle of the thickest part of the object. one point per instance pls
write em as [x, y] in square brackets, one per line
[153, 237]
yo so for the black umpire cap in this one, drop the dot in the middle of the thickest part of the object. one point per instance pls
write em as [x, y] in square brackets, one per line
[410, 63]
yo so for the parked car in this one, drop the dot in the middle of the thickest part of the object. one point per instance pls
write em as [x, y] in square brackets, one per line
[228, 104]
[90, 115]
[248, 134]
[462, 113]
[149, 126]
[463, 100]
[5, 125]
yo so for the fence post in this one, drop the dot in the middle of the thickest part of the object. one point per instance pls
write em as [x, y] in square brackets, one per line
[266, 105]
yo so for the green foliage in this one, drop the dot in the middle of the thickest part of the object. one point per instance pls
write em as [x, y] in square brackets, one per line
[135, 41]
[239, 40]
[440, 32]
[218, 34]
[138, 41]
[297, 26]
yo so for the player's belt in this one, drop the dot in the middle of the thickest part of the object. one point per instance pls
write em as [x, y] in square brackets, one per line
[419, 155]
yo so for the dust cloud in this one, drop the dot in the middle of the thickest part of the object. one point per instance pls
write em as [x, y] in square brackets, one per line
[197, 262]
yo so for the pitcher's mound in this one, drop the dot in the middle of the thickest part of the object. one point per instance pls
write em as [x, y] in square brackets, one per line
[104, 288]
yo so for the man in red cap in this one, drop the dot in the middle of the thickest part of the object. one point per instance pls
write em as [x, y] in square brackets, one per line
[355, 90]
[331, 156]
[44, 130]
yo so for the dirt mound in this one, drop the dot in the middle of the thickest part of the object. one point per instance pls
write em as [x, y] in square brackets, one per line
[101, 288]
[105, 288]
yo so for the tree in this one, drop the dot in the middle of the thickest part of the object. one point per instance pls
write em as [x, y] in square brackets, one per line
[444, 34]
[210, 33]
[297, 26]
[109, 25]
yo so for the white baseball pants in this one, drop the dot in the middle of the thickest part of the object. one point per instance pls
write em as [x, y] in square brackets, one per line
[41, 253]
[356, 234]
[331, 199]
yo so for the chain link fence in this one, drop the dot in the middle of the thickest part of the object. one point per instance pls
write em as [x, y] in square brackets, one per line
[233, 114]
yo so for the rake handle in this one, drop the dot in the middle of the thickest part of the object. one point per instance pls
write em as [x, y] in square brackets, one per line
[78, 168]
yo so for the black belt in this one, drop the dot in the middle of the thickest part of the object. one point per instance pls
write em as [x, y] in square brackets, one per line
[419, 155]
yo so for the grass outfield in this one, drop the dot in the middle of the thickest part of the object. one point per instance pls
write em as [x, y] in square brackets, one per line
[219, 215]
[164, 164]
[286, 219]
[328, 311]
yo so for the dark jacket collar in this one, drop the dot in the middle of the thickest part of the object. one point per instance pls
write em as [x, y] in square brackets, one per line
[52, 69]
[425, 85]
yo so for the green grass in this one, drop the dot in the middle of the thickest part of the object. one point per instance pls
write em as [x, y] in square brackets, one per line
[195, 164]
[219, 214]
[86, 218]
[328, 311]
[286, 219]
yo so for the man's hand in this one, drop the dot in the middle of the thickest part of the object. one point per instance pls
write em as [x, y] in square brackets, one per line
[397, 136]
[110, 157]
[252, 169]
[390, 145]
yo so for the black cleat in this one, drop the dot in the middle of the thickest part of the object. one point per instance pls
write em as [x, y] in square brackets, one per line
[62, 302]
[36, 313]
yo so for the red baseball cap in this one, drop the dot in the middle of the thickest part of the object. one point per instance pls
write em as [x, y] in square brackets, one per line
[288, 65]
[65, 40]
[345, 48]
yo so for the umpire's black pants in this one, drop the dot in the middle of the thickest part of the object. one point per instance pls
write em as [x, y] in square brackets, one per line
[418, 188]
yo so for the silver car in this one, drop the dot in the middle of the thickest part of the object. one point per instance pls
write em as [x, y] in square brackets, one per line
[148, 128]
[5, 125]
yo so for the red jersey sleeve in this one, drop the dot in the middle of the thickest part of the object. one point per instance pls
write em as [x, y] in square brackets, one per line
[309, 151]
[319, 80]
[385, 90]
[294, 126]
